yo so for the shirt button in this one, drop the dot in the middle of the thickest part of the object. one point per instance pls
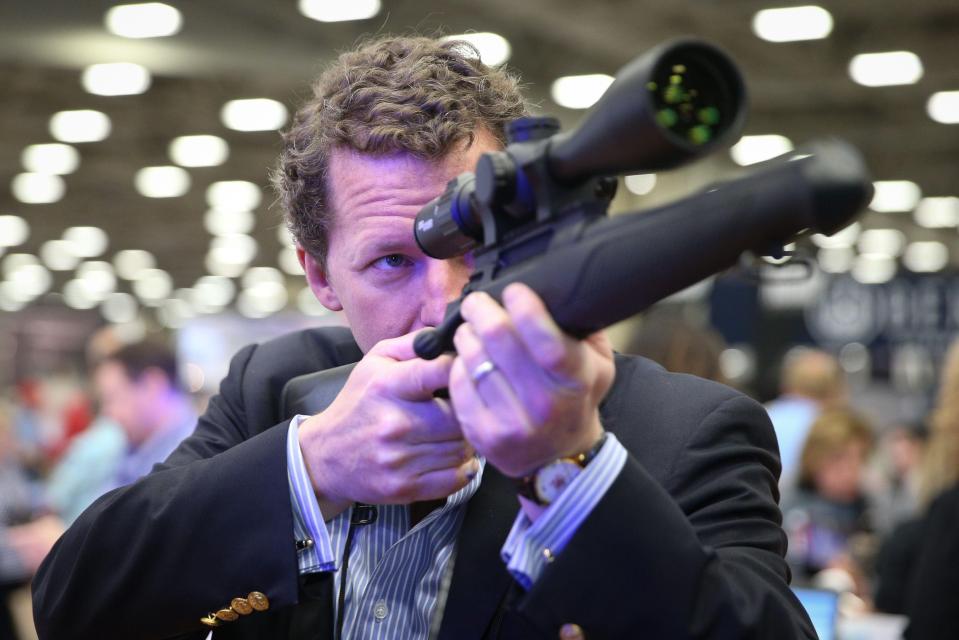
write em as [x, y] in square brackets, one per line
[380, 610]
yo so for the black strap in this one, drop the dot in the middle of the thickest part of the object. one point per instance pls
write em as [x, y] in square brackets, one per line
[363, 514]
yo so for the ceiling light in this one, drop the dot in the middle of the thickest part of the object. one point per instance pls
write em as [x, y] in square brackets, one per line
[83, 125]
[943, 107]
[145, 20]
[30, 281]
[835, 259]
[76, 295]
[119, 307]
[14, 230]
[86, 242]
[254, 114]
[886, 69]
[199, 151]
[217, 267]
[58, 255]
[50, 158]
[130, 263]
[895, 195]
[258, 275]
[98, 279]
[262, 300]
[219, 222]
[37, 188]
[10, 299]
[580, 92]
[235, 249]
[15, 261]
[937, 213]
[843, 238]
[339, 11]
[162, 182]
[926, 256]
[214, 290]
[641, 183]
[793, 23]
[116, 79]
[883, 242]
[233, 195]
[173, 313]
[873, 269]
[752, 149]
[153, 285]
[493, 48]
[307, 303]
[289, 262]
[284, 237]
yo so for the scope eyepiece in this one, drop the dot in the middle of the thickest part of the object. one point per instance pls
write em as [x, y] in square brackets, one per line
[447, 227]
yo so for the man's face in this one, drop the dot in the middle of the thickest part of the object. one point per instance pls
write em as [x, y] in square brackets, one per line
[123, 399]
[375, 272]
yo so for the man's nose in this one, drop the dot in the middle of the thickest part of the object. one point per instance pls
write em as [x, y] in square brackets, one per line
[443, 283]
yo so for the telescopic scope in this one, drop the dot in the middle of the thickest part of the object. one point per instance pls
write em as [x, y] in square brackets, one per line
[677, 102]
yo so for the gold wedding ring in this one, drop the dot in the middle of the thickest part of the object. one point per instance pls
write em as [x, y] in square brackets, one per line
[482, 370]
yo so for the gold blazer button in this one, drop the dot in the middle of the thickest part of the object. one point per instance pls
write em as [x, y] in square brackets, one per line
[227, 615]
[571, 632]
[258, 601]
[241, 606]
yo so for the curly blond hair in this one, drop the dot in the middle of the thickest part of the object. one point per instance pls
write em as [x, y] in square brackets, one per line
[940, 466]
[415, 95]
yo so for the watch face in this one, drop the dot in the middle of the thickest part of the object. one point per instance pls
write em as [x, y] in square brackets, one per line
[553, 479]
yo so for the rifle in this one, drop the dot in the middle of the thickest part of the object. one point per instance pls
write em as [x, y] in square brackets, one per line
[536, 211]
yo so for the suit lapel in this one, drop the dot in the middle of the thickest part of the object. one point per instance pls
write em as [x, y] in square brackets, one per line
[480, 578]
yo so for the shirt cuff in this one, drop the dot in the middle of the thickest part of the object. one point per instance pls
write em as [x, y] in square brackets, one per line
[312, 538]
[530, 546]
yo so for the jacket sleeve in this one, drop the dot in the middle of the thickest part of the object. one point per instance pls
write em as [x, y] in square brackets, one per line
[210, 524]
[700, 556]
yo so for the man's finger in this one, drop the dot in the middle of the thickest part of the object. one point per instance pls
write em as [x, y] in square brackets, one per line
[441, 455]
[399, 348]
[546, 343]
[435, 421]
[442, 483]
[418, 379]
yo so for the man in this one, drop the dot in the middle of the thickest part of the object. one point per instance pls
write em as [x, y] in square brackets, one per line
[811, 380]
[90, 462]
[138, 386]
[665, 523]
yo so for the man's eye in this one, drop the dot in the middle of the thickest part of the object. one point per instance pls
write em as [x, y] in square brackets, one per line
[392, 261]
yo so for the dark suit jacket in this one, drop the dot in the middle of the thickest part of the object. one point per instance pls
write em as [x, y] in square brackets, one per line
[934, 588]
[685, 544]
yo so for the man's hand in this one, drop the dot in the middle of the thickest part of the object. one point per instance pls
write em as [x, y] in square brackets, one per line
[32, 541]
[540, 401]
[385, 439]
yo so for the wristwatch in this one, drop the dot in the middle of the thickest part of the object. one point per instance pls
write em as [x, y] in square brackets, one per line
[546, 484]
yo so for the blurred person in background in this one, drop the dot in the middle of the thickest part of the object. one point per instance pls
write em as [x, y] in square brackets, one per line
[678, 345]
[919, 563]
[811, 382]
[92, 458]
[138, 386]
[27, 532]
[894, 486]
[828, 507]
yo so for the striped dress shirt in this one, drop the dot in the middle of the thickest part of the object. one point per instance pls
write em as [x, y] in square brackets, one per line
[395, 571]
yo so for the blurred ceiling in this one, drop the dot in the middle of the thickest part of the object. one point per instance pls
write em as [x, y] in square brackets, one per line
[231, 49]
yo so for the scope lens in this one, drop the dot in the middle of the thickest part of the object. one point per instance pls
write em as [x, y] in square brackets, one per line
[695, 97]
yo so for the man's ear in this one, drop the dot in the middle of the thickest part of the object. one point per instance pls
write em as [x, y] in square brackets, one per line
[317, 279]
